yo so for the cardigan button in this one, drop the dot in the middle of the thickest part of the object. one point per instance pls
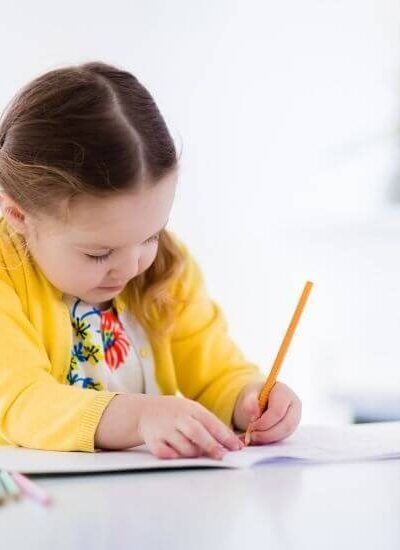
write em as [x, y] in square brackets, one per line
[144, 352]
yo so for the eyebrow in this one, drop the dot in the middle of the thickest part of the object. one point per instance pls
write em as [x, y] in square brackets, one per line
[93, 246]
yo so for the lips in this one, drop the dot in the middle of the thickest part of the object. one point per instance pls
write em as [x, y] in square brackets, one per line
[111, 287]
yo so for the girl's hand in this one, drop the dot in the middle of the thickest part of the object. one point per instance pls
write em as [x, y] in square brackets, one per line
[279, 420]
[173, 427]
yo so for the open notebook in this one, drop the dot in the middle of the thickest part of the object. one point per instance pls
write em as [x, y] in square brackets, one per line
[309, 443]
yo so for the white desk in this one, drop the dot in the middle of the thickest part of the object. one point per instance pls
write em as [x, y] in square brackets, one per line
[286, 507]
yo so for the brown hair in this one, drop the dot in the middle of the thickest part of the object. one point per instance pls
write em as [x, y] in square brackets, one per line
[92, 129]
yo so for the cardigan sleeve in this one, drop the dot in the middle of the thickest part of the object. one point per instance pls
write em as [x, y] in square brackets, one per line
[209, 366]
[36, 410]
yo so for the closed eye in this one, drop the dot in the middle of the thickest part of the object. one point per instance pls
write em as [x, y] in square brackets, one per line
[102, 258]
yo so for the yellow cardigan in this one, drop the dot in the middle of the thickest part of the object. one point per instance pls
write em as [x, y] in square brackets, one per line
[38, 409]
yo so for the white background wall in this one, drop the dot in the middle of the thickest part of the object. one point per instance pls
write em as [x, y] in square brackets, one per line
[287, 113]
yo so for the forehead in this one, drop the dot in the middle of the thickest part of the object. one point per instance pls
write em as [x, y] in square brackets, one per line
[119, 219]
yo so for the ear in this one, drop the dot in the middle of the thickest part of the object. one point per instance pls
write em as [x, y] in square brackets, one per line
[13, 214]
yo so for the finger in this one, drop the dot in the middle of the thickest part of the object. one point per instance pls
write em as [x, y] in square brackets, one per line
[183, 446]
[221, 433]
[278, 403]
[161, 449]
[280, 431]
[275, 413]
[199, 436]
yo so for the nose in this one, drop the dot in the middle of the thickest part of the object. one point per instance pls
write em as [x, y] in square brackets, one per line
[125, 269]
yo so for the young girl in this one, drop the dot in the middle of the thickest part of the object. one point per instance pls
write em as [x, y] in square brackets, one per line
[103, 313]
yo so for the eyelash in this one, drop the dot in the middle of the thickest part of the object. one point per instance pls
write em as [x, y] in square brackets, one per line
[104, 257]
[99, 259]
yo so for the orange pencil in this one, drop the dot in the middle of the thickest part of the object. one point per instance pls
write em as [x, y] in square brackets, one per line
[276, 367]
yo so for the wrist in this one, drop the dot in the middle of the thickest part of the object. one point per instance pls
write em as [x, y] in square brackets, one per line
[119, 425]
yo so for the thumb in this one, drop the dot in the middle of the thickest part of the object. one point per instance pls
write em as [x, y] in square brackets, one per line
[251, 407]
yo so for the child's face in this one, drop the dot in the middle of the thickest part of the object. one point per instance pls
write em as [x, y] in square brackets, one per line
[105, 243]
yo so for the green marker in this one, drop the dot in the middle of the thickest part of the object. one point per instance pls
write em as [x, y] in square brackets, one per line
[9, 484]
[3, 494]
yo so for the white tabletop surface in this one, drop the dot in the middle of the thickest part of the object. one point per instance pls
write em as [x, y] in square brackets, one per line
[272, 507]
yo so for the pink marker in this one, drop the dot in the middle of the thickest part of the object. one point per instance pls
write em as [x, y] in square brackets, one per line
[31, 489]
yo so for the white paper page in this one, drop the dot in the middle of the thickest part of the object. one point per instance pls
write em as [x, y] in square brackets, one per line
[314, 443]
[328, 444]
[37, 462]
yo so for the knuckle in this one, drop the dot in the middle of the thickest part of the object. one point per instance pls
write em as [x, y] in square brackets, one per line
[193, 432]
[197, 408]
[275, 415]
[210, 445]
[281, 411]
[192, 429]
[190, 433]
[226, 437]
[219, 427]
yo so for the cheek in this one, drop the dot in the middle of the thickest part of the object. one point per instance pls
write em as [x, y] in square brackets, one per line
[147, 258]
[61, 268]
[83, 273]
[90, 272]
[78, 272]
[67, 269]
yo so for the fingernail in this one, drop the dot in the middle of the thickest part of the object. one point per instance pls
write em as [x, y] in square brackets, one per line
[218, 454]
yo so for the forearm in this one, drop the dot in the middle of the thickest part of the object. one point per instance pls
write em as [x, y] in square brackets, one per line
[119, 425]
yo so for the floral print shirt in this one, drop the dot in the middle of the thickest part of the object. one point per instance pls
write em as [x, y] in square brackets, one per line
[103, 356]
